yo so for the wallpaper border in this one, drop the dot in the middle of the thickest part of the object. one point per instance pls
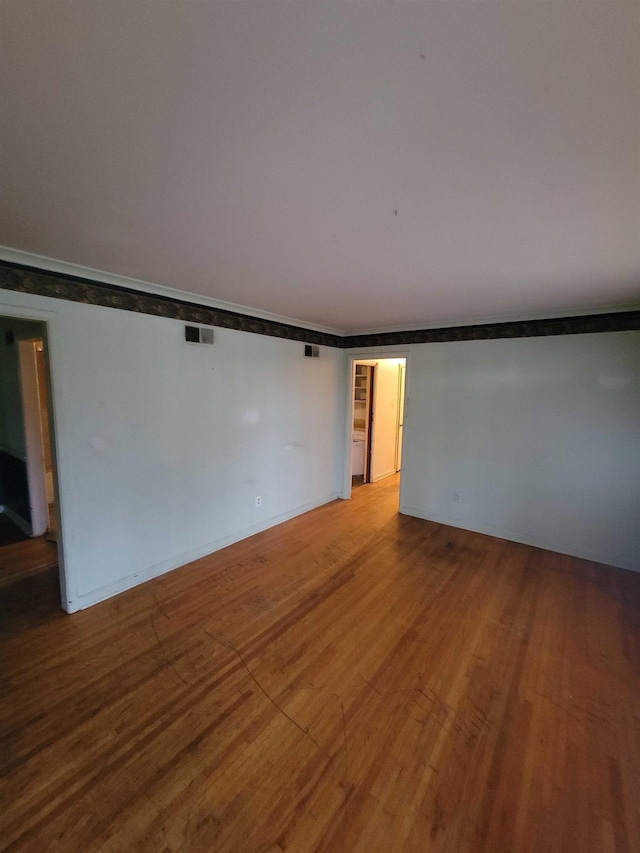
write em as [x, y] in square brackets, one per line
[24, 279]
[56, 285]
[615, 321]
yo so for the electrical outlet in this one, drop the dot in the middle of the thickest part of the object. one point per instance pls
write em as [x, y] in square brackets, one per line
[258, 501]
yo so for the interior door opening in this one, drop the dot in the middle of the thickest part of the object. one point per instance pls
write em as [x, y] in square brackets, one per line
[377, 397]
[28, 510]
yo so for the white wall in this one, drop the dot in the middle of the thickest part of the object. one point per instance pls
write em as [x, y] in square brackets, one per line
[162, 446]
[535, 440]
[385, 423]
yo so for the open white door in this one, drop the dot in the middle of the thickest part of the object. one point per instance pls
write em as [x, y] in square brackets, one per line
[33, 437]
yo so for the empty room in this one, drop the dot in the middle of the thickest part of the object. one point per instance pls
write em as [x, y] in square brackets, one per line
[320, 426]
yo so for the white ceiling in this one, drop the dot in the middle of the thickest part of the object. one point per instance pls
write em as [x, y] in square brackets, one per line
[355, 165]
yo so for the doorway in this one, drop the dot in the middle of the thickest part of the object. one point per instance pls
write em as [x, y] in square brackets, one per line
[28, 511]
[375, 420]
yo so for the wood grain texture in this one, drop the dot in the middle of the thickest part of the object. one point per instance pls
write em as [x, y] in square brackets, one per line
[352, 680]
[18, 559]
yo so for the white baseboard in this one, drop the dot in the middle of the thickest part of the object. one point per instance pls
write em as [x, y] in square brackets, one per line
[615, 560]
[18, 520]
[122, 585]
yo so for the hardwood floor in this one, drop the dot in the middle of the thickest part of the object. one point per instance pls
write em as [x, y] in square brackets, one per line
[19, 559]
[9, 531]
[352, 680]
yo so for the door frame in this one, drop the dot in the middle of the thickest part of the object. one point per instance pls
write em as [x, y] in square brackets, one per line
[370, 416]
[34, 441]
[402, 382]
[51, 333]
[368, 355]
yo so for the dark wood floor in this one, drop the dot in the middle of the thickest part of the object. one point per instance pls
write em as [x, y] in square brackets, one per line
[25, 557]
[10, 532]
[353, 680]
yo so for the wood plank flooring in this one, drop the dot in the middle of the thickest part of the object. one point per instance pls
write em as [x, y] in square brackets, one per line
[22, 558]
[352, 680]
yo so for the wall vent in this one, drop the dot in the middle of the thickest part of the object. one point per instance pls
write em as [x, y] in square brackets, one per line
[311, 351]
[198, 335]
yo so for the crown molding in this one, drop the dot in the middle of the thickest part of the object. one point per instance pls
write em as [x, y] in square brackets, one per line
[59, 285]
[496, 319]
[77, 272]
[163, 302]
[616, 321]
